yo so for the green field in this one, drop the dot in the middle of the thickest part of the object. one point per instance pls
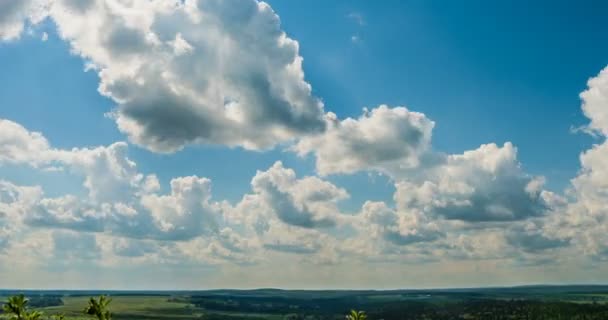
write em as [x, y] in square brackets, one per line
[146, 307]
[129, 308]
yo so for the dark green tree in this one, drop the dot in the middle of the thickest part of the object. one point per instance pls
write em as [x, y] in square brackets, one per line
[99, 308]
[16, 308]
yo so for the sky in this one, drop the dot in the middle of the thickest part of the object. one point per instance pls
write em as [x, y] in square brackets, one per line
[181, 144]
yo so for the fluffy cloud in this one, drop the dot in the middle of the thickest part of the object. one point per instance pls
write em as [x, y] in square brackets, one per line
[288, 214]
[534, 238]
[399, 227]
[595, 100]
[587, 211]
[18, 145]
[386, 139]
[486, 184]
[121, 200]
[308, 202]
[14, 203]
[15, 13]
[223, 72]
[187, 210]
[16, 200]
[184, 72]
[183, 214]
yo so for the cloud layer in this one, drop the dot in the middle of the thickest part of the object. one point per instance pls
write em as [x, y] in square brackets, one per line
[224, 73]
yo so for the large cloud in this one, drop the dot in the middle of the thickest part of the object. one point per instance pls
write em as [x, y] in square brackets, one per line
[400, 227]
[18, 145]
[308, 202]
[486, 184]
[595, 102]
[15, 13]
[384, 138]
[589, 189]
[187, 210]
[120, 200]
[223, 72]
[182, 72]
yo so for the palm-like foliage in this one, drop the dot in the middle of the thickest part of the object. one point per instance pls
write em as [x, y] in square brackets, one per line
[99, 308]
[16, 307]
[34, 315]
[356, 315]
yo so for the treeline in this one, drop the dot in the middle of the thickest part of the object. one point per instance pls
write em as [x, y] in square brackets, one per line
[494, 310]
[467, 308]
[321, 308]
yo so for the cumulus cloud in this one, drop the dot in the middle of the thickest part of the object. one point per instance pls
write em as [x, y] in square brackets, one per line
[399, 227]
[309, 202]
[294, 240]
[486, 184]
[183, 214]
[595, 100]
[535, 238]
[184, 72]
[18, 145]
[224, 72]
[288, 214]
[120, 200]
[587, 210]
[384, 138]
[14, 204]
[14, 14]
[187, 210]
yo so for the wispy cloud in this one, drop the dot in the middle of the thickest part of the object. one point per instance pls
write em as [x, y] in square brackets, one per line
[357, 18]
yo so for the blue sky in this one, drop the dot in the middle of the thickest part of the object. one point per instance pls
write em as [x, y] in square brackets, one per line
[474, 162]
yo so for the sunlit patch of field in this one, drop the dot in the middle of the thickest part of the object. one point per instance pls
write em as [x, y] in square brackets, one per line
[147, 308]
[129, 307]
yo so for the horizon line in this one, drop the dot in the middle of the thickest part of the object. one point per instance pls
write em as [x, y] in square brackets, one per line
[538, 285]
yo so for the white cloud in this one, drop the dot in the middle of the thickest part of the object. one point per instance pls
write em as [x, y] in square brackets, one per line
[533, 238]
[187, 210]
[121, 200]
[14, 14]
[18, 145]
[400, 227]
[384, 139]
[308, 202]
[486, 184]
[595, 100]
[587, 209]
[186, 72]
[222, 72]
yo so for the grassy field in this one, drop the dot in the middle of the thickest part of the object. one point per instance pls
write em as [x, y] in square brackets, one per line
[129, 308]
[146, 308]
